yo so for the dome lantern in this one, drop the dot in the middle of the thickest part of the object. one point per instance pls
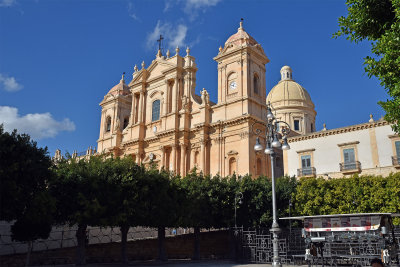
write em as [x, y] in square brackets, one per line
[286, 73]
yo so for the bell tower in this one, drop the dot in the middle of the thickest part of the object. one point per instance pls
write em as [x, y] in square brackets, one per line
[241, 72]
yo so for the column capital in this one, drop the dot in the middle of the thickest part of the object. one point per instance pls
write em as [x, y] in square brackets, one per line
[174, 146]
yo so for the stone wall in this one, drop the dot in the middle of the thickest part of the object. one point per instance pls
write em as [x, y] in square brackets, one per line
[213, 245]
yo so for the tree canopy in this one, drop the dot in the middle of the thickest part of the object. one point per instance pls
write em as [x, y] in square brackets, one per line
[24, 171]
[378, 21]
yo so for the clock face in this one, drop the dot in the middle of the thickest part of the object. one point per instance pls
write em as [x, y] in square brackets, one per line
[233, 85]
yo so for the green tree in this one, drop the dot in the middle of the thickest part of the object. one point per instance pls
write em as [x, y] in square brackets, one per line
[158, 201]
[357, 194]
[25, 173]
[123, 209]
[378, 21]
[80, 189]
[256, 209]
[196, 211]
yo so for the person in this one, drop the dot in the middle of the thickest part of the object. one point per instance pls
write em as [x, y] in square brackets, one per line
[377, 263]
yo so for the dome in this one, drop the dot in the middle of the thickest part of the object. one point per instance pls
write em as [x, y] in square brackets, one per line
[287, 90]
[120, 89]
[241, 37]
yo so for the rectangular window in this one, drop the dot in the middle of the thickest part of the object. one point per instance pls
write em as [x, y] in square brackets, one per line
[397, 145]
[306, 165]
[296, 125]
[349, 159]
[306, 161]
[312, 127]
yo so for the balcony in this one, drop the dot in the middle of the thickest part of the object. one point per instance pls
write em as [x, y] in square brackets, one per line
[396, 162]
[350, 167]
[306, 172]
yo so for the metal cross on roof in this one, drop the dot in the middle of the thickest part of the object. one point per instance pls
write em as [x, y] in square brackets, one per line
[159, 42]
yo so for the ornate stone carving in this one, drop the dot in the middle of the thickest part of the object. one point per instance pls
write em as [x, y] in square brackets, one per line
[232, 153]
[244, 134]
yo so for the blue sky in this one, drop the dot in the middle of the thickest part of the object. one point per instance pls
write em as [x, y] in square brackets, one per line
[59, 58]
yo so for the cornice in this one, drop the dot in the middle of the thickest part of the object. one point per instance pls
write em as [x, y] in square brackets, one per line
[305, 150]
[165, 133]
[348, 143]
[352, 128]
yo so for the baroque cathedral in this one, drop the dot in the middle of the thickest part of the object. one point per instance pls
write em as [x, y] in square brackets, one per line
[158, 118]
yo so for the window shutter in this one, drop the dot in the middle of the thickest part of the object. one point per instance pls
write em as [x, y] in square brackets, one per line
[397, 144]
[348, 155]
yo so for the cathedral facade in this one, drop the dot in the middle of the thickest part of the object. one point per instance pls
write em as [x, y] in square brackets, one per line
[157, 117]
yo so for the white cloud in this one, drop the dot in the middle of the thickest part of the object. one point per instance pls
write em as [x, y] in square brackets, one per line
[131, 11]
[178, 36]
[197, 4]
[173, 35]
[37, 125]
[192, 7]
[9, 83]
[7, 3]
[168, 5]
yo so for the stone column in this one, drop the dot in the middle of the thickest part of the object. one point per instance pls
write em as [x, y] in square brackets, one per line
[141, 107]
[137, 158]
[173, 158]
[162, 162]
[192, 158]
[132, 117]
[203, 156]
[183, 160]
[165, 108]
[174, 95]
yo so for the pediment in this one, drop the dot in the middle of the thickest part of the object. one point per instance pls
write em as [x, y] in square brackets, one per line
[158, 68]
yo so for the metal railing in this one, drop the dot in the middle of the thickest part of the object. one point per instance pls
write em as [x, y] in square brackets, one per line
[396, 161]
[309, 171]
[350, 166]
[255, 246]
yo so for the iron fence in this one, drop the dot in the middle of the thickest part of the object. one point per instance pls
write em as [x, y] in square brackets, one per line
[255, 246]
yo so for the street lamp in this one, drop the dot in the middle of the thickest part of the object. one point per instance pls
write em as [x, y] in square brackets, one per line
[272, 142]
[290, 221]
[238, 199]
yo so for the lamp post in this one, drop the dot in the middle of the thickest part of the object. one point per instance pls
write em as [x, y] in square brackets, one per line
[290, 221]
[272, 141]
[238, 199]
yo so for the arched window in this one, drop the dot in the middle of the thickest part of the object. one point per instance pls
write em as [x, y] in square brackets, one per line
[232, 166]
[258, 171]
[126, 121]
[108, 124]
[155, 114]
[256, 84]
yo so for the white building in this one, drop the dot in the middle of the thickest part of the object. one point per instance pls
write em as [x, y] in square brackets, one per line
[368, 148]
